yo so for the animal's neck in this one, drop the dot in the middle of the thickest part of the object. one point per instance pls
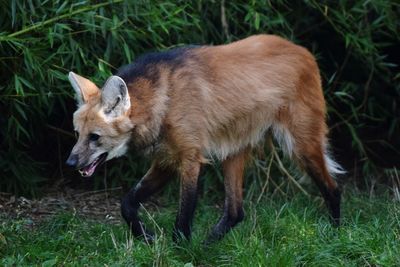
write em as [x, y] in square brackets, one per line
[149, 101]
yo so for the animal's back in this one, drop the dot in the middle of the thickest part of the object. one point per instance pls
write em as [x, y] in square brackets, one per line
[222, 99]
[244, 88]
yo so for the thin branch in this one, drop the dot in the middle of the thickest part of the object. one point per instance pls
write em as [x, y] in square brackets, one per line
[340, 71]
[283, 169]
[267, 172]
[60, 130]
[367, 89]
[31, 95]
[49, 21]
[97, 191]
[225, 25]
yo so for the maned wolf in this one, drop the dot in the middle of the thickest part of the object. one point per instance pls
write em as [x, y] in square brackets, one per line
[190, 104]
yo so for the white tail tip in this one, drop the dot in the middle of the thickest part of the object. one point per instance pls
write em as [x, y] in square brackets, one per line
[333, 167]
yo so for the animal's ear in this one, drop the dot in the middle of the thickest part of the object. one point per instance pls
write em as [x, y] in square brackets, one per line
[115, 97]
[84, 89]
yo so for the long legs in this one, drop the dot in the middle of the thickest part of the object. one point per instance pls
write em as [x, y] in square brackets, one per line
[315, 165]
[188, 197]
[304, 138]
[154, 180]
[308, 144]
[233, 168]
[309, 151]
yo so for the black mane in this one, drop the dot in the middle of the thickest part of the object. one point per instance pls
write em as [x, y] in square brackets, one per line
[144, 66]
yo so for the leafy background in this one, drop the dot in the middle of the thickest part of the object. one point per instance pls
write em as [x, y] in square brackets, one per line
[355, 42]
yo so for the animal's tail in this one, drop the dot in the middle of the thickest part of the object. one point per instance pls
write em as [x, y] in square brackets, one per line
[333, 167]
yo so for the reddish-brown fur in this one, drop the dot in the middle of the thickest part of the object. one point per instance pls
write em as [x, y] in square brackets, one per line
[219, 102]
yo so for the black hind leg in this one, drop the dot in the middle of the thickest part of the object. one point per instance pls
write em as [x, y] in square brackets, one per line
[315, 166]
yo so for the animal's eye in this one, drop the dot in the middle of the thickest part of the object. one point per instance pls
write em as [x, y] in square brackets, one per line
[94, 137]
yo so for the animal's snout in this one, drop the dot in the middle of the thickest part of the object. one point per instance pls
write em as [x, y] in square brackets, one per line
[72, 160]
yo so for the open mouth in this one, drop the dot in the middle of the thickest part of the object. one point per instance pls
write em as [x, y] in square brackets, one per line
[88, 170]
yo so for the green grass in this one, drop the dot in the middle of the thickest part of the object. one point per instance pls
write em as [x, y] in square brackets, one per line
[276, 232]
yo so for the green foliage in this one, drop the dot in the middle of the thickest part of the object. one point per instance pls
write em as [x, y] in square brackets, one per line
[276, 232]
[40, 41]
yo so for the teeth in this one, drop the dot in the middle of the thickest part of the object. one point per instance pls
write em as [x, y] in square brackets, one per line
[89, 170]
[83, 173]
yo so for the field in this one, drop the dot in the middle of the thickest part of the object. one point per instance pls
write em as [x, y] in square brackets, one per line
[277, 231]
[50, 216]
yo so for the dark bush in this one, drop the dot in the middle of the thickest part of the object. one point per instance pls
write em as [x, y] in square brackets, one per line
[356, 44]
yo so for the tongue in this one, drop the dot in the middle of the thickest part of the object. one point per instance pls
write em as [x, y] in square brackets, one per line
[89, 170]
